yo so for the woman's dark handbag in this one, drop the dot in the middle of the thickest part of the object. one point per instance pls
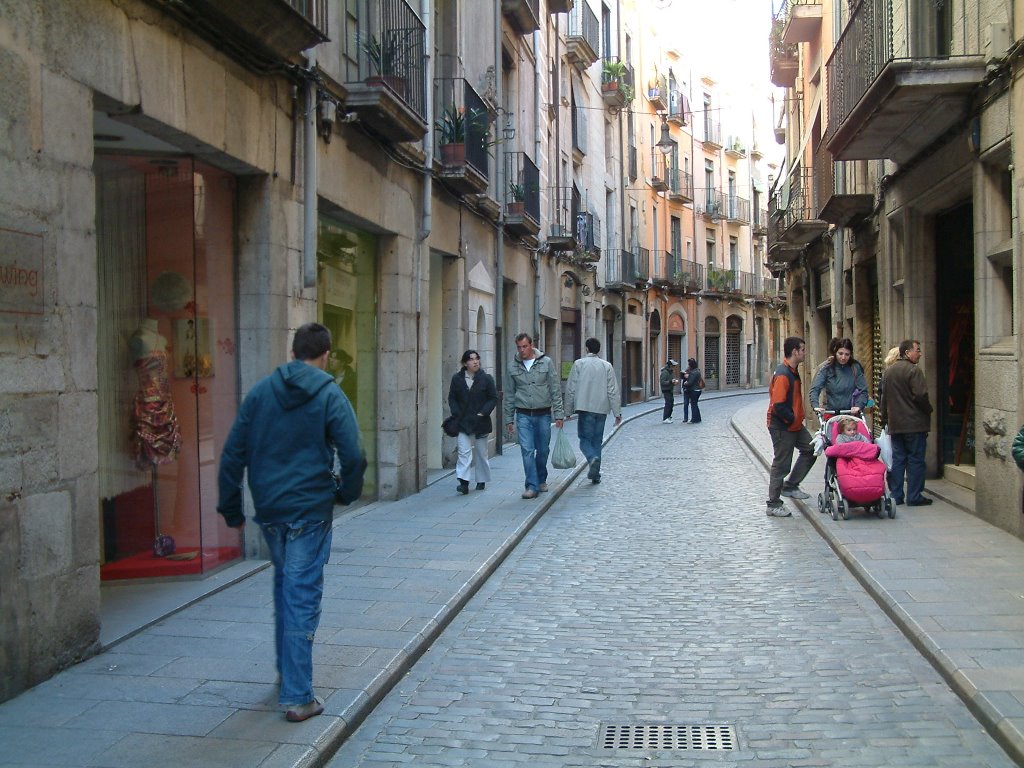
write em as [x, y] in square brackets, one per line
[450, 426]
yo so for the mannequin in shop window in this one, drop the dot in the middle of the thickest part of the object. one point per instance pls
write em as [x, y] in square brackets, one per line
[155, 435]
[339, 365]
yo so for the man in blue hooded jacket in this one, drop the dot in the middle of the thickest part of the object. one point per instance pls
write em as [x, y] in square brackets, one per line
[285, 438]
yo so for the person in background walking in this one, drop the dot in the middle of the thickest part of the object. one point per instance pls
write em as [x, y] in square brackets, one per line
[533, 396]
[285, 437]
[907, 412]
[842, 380]
[471, 398]
[668, 385]
[693, 385]
[592, 392]
[786, 426]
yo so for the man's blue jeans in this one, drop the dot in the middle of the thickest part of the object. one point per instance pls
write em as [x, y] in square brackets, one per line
[534, 434]
[590, 431]
[908, 458]
[299, 552]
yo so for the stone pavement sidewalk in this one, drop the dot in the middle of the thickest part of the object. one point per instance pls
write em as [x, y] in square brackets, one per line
[951, 582]
[196, 688]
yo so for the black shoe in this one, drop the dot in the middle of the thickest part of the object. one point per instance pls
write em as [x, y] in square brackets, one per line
[695, 421]
[463, 486]
[922, 502]
[594, 473]
[480, 486]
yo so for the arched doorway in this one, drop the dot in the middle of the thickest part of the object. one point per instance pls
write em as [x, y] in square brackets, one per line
[654, 352]
[733, 335]
[677, 339]
[712, 352]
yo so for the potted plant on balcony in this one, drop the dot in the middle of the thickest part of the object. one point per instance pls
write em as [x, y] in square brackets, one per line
[612, 74]
[386, 60]
[516, 199]
[783, 57]
[452, 126]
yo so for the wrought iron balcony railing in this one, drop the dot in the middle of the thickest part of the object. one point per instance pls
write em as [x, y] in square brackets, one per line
[463, 120]
[712, 131]
[657, 92]
[659, 171]
[680, 185]
[389, 52]
[938, 42]
[583, 36]
[623, 268]
[689, 276]
[737, 209]
[664, 266]
[709, 203]
[522, 205]
[678, 108]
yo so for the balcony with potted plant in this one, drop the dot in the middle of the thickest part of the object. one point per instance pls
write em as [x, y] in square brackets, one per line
[388, 92]
[522, 208]
[783, 56]
[657, 93]
[462, 133]
[616, 83]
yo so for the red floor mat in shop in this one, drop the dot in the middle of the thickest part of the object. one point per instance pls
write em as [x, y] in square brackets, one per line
[146, 565]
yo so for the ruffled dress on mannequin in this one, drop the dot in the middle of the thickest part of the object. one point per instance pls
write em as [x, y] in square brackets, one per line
[156, 438]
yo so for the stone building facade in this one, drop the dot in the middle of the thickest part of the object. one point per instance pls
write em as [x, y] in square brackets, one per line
[186, 187]
[896, 215]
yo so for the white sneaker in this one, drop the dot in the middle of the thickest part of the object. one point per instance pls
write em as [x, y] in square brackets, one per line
[667, 421]
[796, 493]
[778, 512]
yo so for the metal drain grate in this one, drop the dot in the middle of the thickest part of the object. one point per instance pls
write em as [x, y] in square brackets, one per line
[703, 737]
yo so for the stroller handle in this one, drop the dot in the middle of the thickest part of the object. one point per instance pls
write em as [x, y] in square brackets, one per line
[837, 413]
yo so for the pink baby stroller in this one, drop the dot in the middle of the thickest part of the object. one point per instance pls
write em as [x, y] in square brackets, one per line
[854, 473]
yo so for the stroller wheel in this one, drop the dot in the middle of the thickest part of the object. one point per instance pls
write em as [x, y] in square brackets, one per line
[844, 510]
[821, 503]
[890, 508]
[832, 508]
[880, 509]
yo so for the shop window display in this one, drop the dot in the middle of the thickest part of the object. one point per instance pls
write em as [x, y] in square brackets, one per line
[167, 368]
[346, 280]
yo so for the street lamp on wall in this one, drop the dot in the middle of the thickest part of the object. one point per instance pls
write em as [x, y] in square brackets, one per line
[665, 143]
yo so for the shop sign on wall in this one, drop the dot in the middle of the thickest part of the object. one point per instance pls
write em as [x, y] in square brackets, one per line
[21, 272]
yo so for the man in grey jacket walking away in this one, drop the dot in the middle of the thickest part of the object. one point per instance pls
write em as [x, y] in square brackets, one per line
[533, 395]
[591, 392]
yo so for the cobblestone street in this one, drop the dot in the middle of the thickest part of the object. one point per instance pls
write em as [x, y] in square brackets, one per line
[662, 596]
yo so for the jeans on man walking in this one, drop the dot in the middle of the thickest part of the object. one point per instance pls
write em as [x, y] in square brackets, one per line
[299, 552]
[784, 442]
[908, 451]
[670, 401]
[534, 433]
[691, 411]
[590, 431]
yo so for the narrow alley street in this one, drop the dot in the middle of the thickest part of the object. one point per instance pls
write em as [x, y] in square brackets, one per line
[665, 596]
